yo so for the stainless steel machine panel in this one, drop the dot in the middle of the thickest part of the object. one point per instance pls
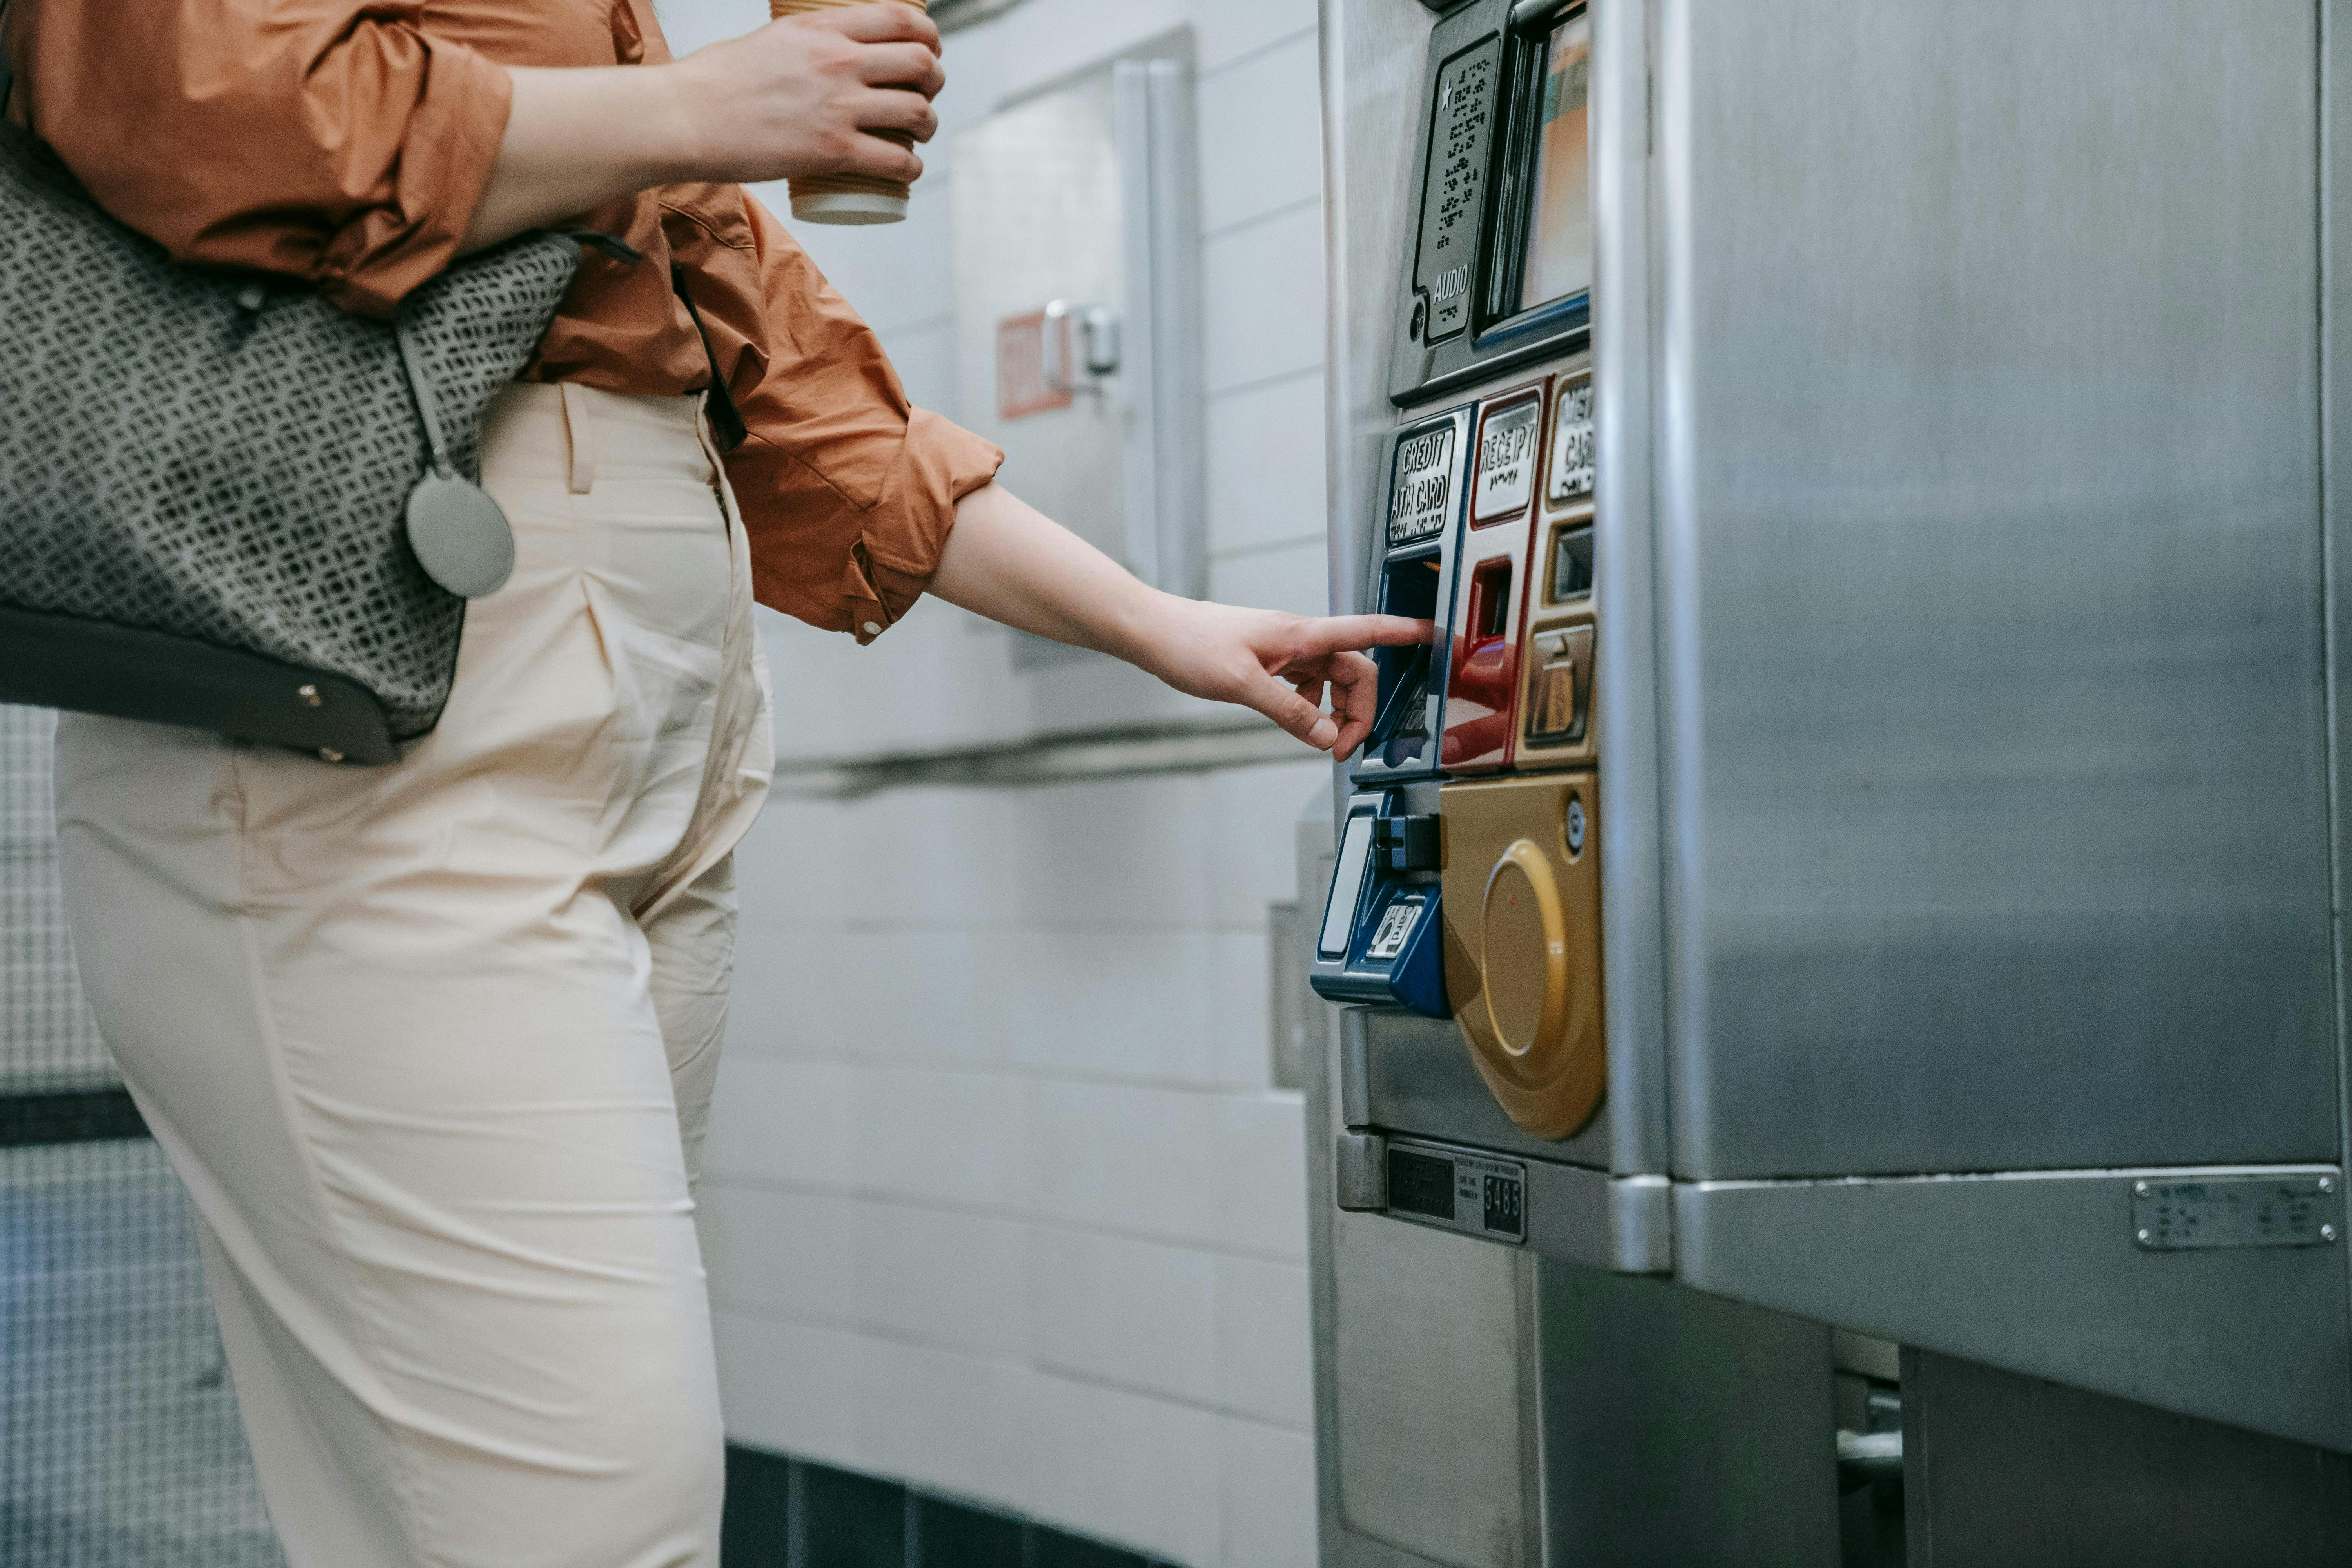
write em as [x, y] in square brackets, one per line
[1990, 584]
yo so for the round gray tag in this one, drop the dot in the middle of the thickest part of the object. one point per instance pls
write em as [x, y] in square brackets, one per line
[461, 538]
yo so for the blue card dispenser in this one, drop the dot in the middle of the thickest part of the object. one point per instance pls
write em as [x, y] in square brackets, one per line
[1379, 941]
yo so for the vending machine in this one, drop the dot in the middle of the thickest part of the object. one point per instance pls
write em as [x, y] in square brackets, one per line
[1853, 889]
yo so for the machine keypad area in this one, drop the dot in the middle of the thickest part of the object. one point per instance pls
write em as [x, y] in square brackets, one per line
[1458, 1189]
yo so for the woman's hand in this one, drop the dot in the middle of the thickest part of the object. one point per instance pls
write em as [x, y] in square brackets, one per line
[1281, 665]
[1006, 561]
[797, 97]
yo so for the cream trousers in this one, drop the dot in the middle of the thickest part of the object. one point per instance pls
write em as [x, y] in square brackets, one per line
[432, 1044]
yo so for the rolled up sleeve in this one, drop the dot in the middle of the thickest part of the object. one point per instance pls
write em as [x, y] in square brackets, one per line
[847, 490]
[332, 141]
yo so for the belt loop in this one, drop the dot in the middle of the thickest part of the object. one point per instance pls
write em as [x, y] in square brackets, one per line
[580, 425]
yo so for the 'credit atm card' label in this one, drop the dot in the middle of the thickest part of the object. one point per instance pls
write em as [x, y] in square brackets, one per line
[1507, 462]
[1424, 487]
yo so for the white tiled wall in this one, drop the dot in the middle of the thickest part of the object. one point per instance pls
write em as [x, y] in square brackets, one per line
[1001, 1199]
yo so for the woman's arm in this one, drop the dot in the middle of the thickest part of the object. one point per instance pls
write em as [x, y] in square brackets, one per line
[1006, 560]
[794, 98]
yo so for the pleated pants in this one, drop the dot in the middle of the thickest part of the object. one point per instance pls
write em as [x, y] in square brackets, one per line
[432, 1044]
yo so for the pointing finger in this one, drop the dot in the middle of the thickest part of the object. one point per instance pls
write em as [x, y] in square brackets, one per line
[1335, 633]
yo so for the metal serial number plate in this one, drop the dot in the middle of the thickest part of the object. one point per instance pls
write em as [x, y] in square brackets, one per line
[1571, 445]
[2235, 1211]
[1460, 1191]
[1424, 486]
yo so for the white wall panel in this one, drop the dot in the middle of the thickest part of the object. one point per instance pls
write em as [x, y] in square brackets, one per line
[923, 353]
[782, 1121]
[1259, 1175]
[1131, 853]
[1132, 1314]
[1116, 1004]
[946, 1421]
[1265, 465]
[1260, 132]
[1127, 1467]
[1254, 858]
[1265, 1497]
[1293, 577]
[1261, 1321]
[1263, 294]
[788, 1386]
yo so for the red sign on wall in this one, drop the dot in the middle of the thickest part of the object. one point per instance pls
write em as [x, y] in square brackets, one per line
[1022, 388]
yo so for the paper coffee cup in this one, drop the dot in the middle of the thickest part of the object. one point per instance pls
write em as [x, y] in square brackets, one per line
[847, 198]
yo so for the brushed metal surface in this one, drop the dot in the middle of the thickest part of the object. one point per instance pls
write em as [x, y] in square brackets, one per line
[1359, 1172]
[2038, 1273]
[1625, 672]
[2335, 429]
[1428, 1365]
[1990, 567]
[1641, 1225]
[2097, 1480]
[1682, 1429]
[1418, 1078]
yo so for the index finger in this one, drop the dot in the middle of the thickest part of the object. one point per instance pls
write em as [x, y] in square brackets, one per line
[888, 22]
[1335, 633]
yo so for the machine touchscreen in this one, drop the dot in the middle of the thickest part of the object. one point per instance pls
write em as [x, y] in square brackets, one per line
[1559, 260]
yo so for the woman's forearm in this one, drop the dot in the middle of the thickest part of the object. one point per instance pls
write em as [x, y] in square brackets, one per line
[1010, 562]
[796, 96]
[578, 139]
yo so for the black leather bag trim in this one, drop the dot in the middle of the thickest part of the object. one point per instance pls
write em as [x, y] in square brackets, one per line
[126, 672]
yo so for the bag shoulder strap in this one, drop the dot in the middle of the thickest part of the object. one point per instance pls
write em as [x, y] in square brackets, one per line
[726, 422]
[8, 70]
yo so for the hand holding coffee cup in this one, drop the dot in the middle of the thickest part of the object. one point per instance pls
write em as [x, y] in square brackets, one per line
[829, 92]
[848, 197]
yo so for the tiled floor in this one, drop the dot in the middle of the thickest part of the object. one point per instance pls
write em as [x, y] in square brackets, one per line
[120, 1445]
[789, 1513]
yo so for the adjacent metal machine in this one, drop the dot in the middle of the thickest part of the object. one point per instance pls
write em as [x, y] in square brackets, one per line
[1858, 868]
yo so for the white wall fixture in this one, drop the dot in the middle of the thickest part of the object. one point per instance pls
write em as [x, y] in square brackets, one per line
[1077, 289]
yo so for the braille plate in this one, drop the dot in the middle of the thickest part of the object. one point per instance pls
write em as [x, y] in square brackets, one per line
[2236, 1211]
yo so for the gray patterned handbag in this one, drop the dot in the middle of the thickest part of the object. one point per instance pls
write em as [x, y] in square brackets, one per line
[224, 503]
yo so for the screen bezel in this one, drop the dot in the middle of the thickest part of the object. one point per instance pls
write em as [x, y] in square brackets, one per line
[1496, 316]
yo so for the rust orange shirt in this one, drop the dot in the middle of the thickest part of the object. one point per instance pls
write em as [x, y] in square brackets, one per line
[347, 142]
